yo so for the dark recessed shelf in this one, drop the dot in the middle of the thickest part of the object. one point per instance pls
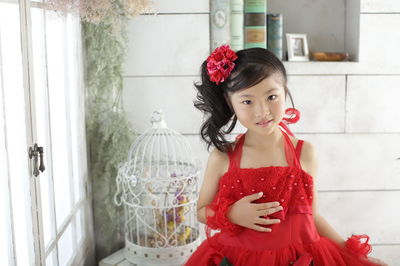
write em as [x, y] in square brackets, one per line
[331, 26]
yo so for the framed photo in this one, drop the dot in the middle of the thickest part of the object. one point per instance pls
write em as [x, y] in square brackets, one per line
[297, 47]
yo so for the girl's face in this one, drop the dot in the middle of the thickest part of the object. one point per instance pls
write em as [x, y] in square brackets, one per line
[260, 108]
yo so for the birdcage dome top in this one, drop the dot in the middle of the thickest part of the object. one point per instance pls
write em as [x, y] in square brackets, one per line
[160, 152]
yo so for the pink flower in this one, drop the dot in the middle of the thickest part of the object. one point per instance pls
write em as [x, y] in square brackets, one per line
[220, 63]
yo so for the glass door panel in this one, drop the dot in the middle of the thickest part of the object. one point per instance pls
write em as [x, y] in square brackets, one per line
[60, 128]
[15, 175]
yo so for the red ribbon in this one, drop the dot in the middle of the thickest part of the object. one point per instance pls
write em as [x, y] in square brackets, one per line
[291, 120]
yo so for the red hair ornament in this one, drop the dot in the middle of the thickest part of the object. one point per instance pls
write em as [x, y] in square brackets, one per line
[220, 63]
[291, 120]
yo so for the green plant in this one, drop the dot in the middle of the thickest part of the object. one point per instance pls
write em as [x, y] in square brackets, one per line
[108, 130]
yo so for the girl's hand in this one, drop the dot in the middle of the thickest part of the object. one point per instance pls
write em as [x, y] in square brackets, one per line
[247, 214]
[377, 261]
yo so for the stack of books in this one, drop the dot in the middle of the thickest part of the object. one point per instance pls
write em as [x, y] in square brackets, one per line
[245, 24]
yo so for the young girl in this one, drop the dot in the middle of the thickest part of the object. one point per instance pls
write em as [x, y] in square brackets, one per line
[258, 191]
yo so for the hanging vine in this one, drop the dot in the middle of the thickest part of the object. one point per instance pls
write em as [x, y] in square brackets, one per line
[108, 130]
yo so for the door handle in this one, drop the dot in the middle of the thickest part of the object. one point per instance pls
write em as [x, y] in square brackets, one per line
[34, 153]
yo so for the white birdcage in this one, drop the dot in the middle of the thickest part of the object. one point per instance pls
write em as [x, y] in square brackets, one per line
[158, 186]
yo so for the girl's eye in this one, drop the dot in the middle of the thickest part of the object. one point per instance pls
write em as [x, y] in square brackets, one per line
[246, 102]
[272, 97]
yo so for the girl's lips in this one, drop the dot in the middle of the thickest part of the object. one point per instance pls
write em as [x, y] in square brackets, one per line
[264, 123]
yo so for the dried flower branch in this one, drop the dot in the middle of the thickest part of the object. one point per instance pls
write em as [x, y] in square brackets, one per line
[95, 11]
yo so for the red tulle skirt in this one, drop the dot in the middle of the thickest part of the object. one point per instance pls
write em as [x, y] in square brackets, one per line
[295, 241]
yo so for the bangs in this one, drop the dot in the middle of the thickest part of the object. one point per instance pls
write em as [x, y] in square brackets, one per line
[248, 76]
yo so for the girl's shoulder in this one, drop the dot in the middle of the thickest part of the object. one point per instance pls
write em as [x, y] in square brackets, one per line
[218, 161]
[294, 140]
[308, 158]
[307, 148]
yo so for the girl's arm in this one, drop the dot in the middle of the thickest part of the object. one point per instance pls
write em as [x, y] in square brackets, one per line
[310, 165]
[217, 165]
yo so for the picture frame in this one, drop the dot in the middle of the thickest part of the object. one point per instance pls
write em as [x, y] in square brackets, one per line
[297, 47]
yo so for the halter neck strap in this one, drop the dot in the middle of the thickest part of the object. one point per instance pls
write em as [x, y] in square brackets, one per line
[236, 154]
[292, 154]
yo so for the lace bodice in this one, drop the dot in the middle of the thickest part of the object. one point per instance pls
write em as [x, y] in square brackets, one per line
[290, 185]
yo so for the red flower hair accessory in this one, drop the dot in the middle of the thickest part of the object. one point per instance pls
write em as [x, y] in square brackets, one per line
[220, 63]
[354, 244]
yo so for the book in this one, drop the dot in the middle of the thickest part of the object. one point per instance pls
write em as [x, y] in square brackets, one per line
[255, 28]
[237, 24]
[220, 32]
[275, 34]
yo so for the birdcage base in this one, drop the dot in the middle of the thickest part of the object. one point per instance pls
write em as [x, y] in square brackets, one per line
[172, 256]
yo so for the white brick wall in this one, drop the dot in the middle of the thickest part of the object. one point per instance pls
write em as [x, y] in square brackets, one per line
[380, 6]
[350, 111]
[321, 101]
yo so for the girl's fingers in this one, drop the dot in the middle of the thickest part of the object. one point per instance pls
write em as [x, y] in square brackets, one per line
[271, 210]
[260, 213]
[268, 211]
[377, 261]
[267, 205]
[253, 197]
[261, 229]
[267, 221]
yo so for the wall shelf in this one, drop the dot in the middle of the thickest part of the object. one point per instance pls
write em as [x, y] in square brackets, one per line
[339, 68]
[331, 26]
[321, 68]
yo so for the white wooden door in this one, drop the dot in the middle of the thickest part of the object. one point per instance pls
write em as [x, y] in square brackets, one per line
[16, 223]
[46, 218]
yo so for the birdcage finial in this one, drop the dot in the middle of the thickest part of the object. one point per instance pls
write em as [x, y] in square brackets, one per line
[157, 119]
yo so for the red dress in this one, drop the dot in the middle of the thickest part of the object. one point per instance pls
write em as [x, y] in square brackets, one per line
[293, 238]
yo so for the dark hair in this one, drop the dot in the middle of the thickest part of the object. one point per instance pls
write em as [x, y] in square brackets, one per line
[251, 67]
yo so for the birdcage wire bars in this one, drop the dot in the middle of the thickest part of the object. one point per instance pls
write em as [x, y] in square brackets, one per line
[158, 186]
